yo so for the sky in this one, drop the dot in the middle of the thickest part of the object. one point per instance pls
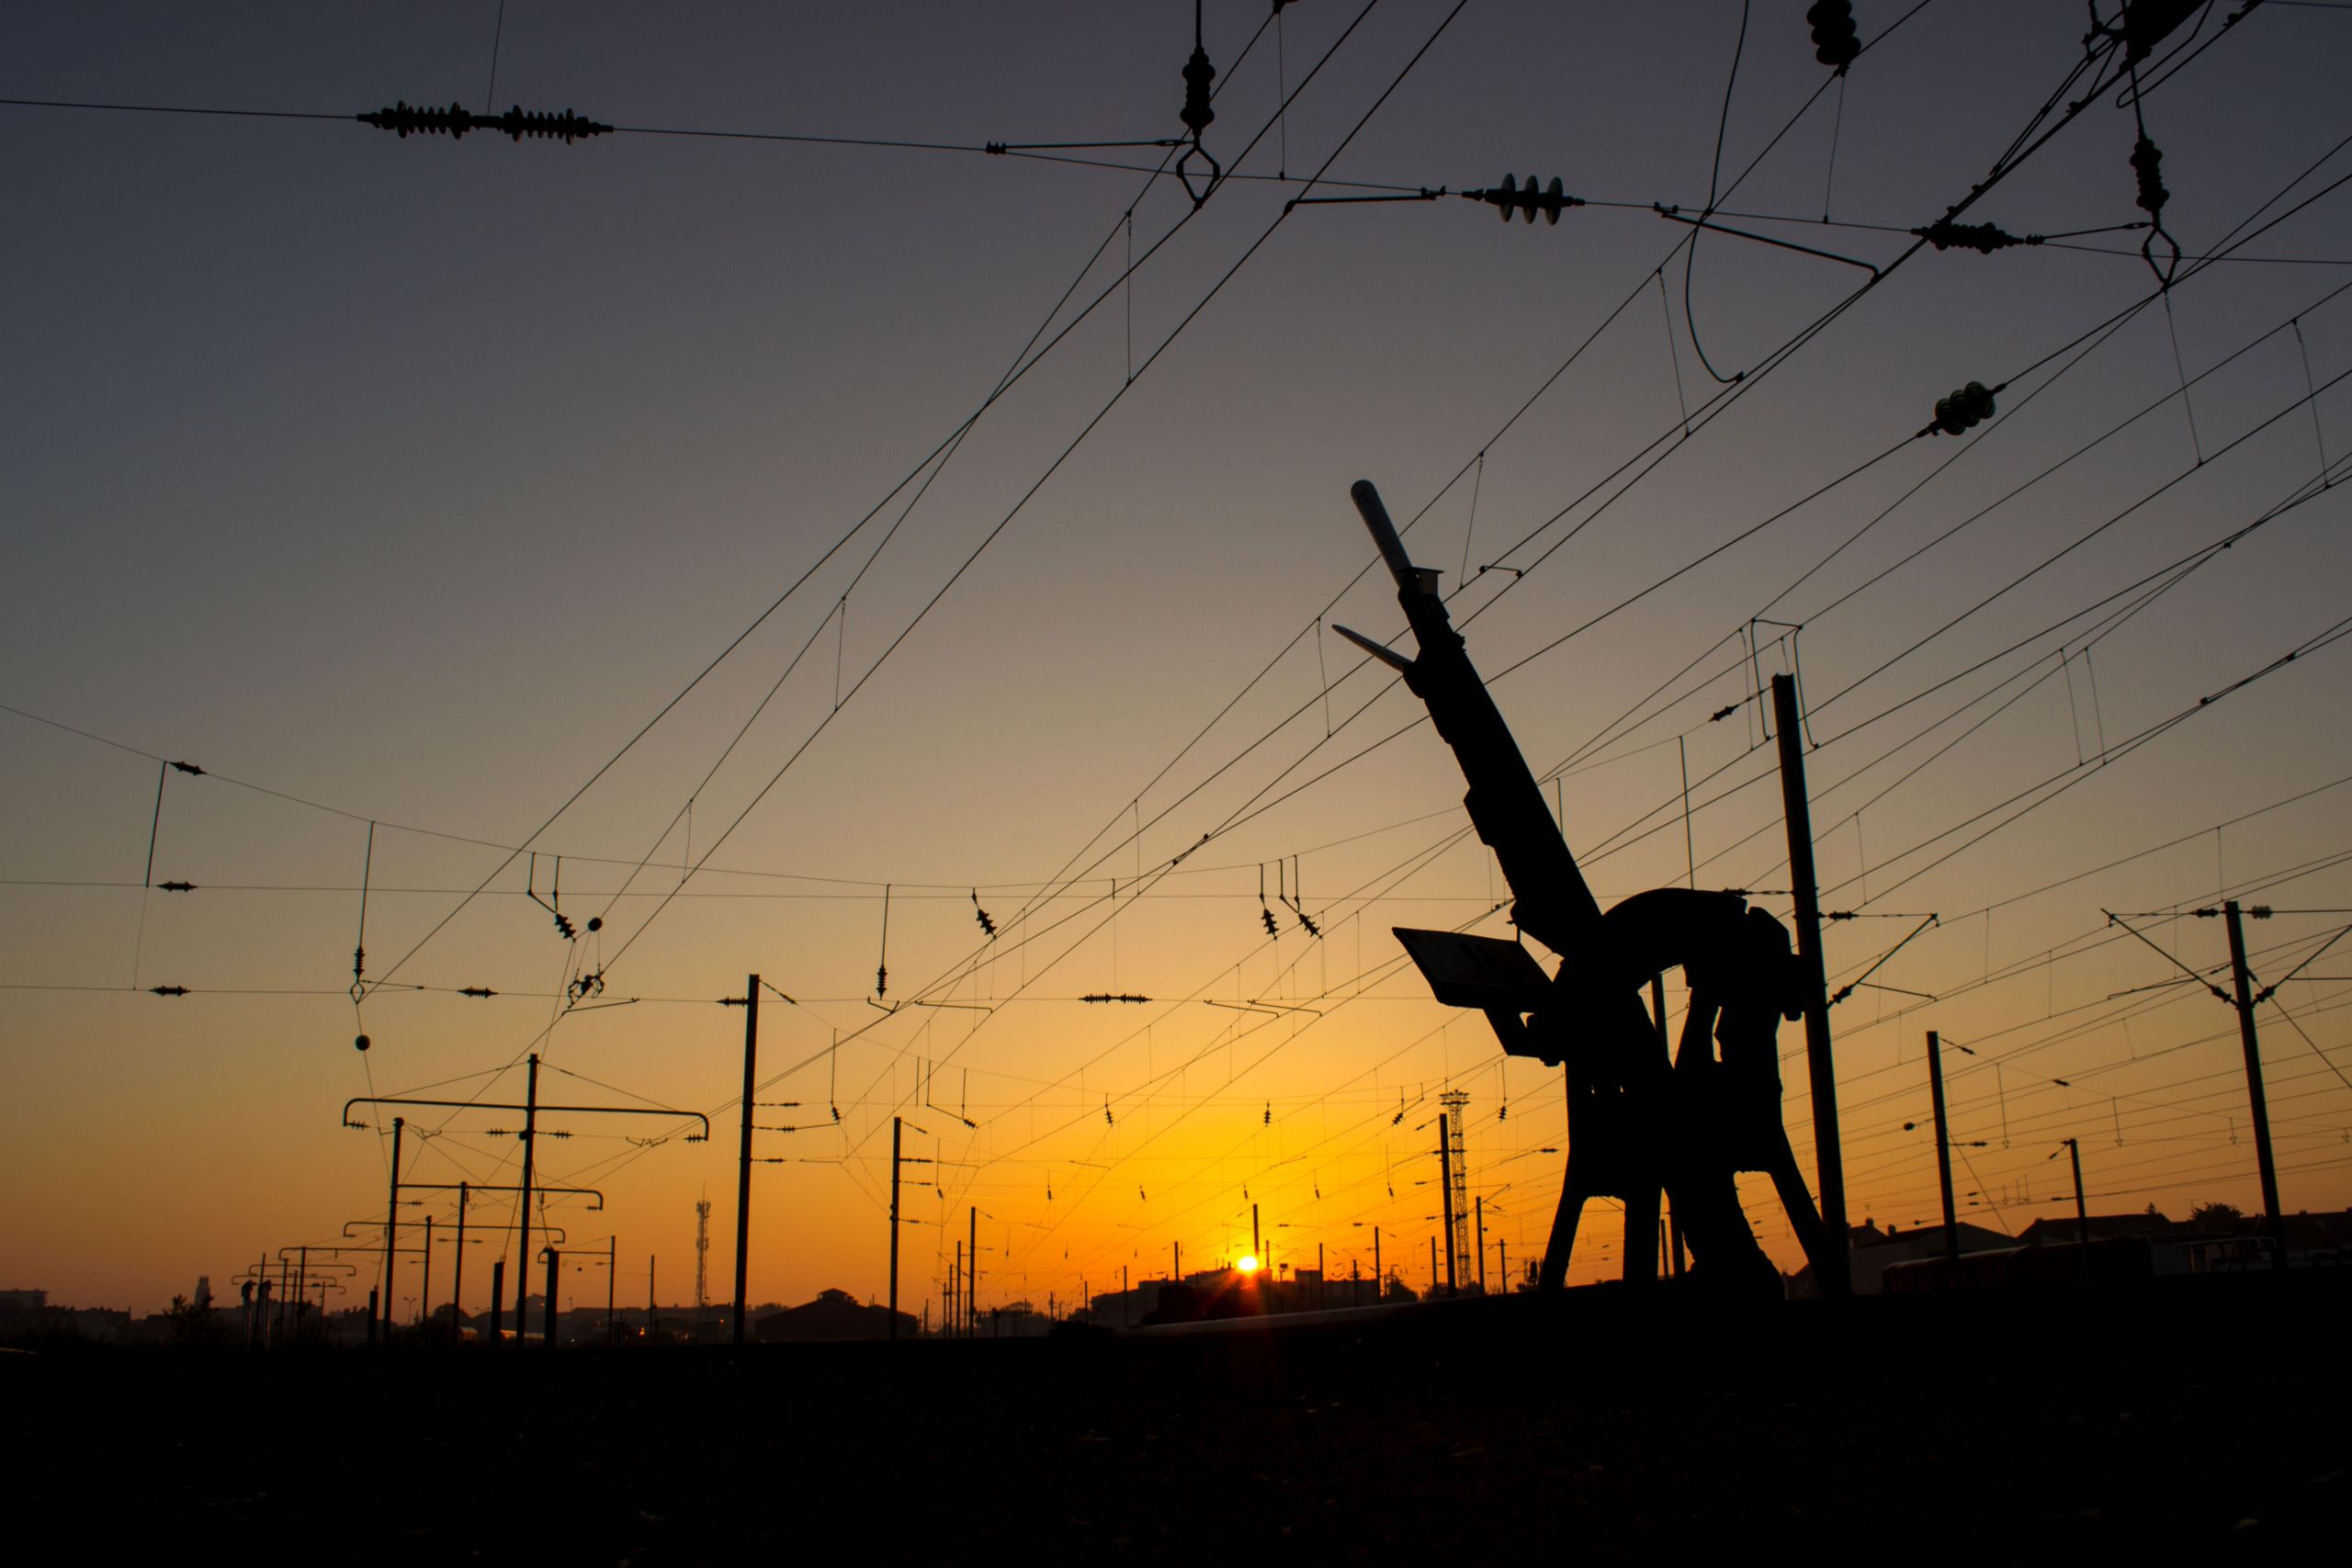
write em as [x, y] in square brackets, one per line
[459, 505]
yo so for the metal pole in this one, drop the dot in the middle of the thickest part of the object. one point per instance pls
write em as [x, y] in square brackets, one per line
[1502, 1246]
[2269, 1169]
[372, 1294]
[897, 1131]
[302, 1283]
[1943, 1155]
[743, 1178]
[1379, 1280]
[424, 1288]
[1320, 1280]
[522, 1243]
[391, 1225]
[653, 1322]
[1256, 1247]
[457, 1291]
[1479, 1203]
[497, 1300]
[1449, 1255]
[2082, 1214]
[612, 1289]
[1829, 1163]
[547, 1314]
[1445, 1184]
[972, 1275]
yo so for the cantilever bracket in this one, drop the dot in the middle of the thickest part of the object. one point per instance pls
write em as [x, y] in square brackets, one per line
[1386, 655]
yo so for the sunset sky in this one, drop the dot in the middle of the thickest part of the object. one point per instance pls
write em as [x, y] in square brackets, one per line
[403, 482]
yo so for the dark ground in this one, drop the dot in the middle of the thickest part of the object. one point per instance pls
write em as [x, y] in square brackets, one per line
[2189, 1416]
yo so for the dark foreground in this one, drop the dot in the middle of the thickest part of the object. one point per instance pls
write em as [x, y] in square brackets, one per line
[2190, 1417]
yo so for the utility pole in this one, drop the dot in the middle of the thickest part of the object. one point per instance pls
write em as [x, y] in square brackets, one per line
[555, 1263]
[653, 1310]
[1445, 1182]
[1256, 1247]
[497, 1300]
[898, 1128]
[457, 1291]
[1176, 1262]
[743, 1179]
[425, 1287]
[2082, 1214]
[522, 1214]
[1943, 1155]
[1502, 1246]
[1829, 1161]
[612, 1289]
[1481, 1203]
[391, 1225]
[972, 1275]
[1379, 1280]
[2246, 1037]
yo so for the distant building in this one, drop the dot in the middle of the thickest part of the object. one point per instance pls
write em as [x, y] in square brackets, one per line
[2058, 1230]
[833, 1316]
[1870, 1251]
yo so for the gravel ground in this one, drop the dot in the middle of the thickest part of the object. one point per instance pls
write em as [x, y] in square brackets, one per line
[2199, 1415]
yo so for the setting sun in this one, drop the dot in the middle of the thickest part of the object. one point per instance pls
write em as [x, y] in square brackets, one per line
[1248, 1266]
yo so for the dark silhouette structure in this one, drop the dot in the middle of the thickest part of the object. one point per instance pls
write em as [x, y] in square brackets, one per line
[1639, 1123]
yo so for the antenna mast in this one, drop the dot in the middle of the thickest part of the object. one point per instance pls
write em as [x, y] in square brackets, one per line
[702, 1252]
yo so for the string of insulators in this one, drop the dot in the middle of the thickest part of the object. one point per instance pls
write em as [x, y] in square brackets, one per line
[982, 916]
[1834, 42]
[1982, 237]
[2147, 160]
[1966, 408]
[1267, 915]
[404, 120]
[476, 991]
[1112, 997]
[1106, 1113]
[1526, 200]
[1269, 1117]
[1198, 75]
[177, 886]
[169, 990]
[1309, 921]
[188, 768]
